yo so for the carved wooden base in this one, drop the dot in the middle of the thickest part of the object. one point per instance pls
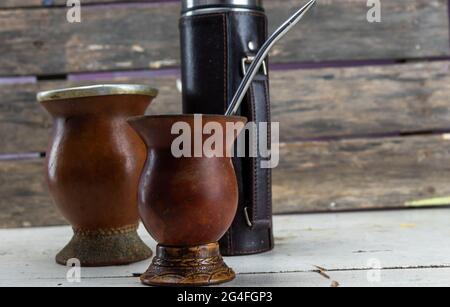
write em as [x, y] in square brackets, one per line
[188, 266]
[105, 247]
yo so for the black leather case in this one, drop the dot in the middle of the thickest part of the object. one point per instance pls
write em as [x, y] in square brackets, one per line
[213, 48]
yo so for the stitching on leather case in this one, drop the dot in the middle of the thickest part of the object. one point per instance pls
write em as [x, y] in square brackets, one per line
[225, 68]
[269, 138]
[225, 95]
[264, 83]
[188, 19]
[229, 234]
[269, 141]
[257, 160]
[254, 160]
[225, 63]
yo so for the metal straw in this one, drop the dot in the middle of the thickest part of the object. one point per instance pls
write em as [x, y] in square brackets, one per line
[262, 54]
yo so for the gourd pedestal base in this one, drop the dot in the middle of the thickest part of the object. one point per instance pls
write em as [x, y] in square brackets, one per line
[112, 247]
[188, 266]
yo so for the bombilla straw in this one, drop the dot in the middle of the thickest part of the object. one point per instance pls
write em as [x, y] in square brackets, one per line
[262, 54]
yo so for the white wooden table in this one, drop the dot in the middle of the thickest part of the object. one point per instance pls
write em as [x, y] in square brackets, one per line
[386, 248]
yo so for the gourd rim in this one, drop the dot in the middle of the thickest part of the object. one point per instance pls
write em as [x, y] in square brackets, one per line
[97, 90]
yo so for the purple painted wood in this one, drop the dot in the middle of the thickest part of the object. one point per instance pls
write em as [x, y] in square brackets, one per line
[22, 156]
[123, 74]
[17, 80]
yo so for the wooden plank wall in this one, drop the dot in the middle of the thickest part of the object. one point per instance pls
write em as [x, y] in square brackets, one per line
[363, 106]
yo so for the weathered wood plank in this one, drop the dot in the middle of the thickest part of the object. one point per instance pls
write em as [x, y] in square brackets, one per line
[52, 3]
[25, 126]
[143, 35]
[25, 201]
[312, 176]
[432, 277]
[364, 174]
[309, 104]
[350, 242]
[303, 279]
[20, 3]
[42, 41]
[428, 277]
[339, 30]
[362, 100]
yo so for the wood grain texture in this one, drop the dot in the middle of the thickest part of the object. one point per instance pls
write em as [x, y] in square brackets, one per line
[339, 30]
[361, 100]
[344, 245]
[53, 3]
[145, 35]
[312, 176]
[416, 277]
[41, 41]
[25, 201]
[309, 104]
[363, 174]
[25, 126]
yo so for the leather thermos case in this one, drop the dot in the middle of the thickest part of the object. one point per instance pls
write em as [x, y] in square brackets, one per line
[218, 40]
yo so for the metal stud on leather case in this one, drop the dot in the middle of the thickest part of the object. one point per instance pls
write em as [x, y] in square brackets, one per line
[218, 40]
